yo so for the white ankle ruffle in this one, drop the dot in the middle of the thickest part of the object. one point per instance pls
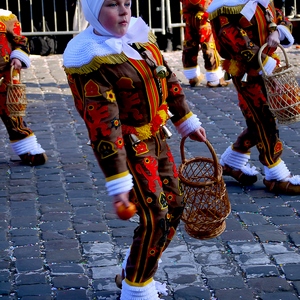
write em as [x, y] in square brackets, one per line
[147, 292]
[27, 145]
[280, 172]
[237, 161]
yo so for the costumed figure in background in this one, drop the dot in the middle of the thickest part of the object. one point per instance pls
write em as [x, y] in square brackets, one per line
[240, 28]
[125, 93]
[197, 33]
[14, 53]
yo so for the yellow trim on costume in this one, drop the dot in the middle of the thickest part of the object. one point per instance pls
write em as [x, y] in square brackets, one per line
[187, 116]
[145, 132]
[275, 164]
[227, 10]
[15, 141]
[247, 153]
[142, 284]
[120, 175]
[111, 59]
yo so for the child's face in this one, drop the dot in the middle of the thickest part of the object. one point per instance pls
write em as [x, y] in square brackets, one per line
[115, 16]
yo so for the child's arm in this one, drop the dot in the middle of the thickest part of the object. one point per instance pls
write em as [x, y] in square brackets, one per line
[19, 43]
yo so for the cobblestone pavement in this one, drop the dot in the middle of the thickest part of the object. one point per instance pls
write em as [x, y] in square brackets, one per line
[59, 237]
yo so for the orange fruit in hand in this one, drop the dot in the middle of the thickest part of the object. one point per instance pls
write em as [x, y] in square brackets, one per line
[125, 213]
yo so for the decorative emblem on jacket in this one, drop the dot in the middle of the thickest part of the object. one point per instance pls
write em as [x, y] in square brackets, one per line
[106, 149]
[148, 169]
[2, 27]
[91, 89]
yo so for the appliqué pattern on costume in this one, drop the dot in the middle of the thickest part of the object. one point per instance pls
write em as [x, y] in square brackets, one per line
[91, 89]
[141, 148]
[175, 89]
[171, 159]
[17, 28]
[115, 123]
[278, 147]
[149, 170]
[2, 27]
[110, 96]
[119, 143]
[163, 201]
[96, 112]
[106, 149]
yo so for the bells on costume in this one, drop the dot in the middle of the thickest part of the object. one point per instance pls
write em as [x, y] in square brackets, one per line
[272, 27]
[166, 132]
[160, 72]
[134, 139]
[244, 79]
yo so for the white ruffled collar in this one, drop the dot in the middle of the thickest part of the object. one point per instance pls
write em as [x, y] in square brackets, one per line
[87, 45]
[5, 13]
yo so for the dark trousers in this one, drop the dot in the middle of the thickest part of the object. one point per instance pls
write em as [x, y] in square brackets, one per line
[158, 197]
[261, 128]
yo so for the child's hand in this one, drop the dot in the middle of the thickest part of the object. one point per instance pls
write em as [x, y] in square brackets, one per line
[120, 199]
[273, 39]
[16, 63]
[198, 135]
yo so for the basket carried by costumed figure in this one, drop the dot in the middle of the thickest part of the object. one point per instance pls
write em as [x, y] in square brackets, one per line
[283, 92]
[205, 194]
[16, 95]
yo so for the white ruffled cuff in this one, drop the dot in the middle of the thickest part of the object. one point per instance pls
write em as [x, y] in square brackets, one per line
[147, 292]
[22, 56]
[214, 75]
[189, 126]
[284, 33]
[192, 72]
[120, 185]
[269, 66]
[279, 172]
[27, 145]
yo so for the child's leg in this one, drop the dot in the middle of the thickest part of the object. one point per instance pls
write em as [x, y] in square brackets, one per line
[23, 141]
[153, 170]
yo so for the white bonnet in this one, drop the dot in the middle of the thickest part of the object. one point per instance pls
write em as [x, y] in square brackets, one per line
[91, 10]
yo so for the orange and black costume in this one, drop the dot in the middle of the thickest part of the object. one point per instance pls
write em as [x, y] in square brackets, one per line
[119, 98]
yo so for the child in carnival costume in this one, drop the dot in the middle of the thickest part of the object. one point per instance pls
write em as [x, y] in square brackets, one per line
[240, 28]
[125, 93]
[197, 33]
[14, 53]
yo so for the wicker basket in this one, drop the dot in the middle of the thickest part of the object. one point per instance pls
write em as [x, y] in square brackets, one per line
[16, 97]
[205, 194]
[283, 92]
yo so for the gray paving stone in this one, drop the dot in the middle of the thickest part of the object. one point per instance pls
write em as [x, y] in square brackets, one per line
[257, 271]
[279, 296]
[28, 265]
[70, 281]
[269, 284]
[245, 294]
[40, 290]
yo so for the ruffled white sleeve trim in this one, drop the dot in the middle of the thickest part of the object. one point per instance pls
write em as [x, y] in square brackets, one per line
[269, 66]
[22, 56]
[284, 33]
[188, 126]
[120, 185]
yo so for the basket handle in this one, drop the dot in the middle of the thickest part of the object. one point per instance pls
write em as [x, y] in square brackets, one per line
[260, 52]
[211, 149]
[11, 74]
